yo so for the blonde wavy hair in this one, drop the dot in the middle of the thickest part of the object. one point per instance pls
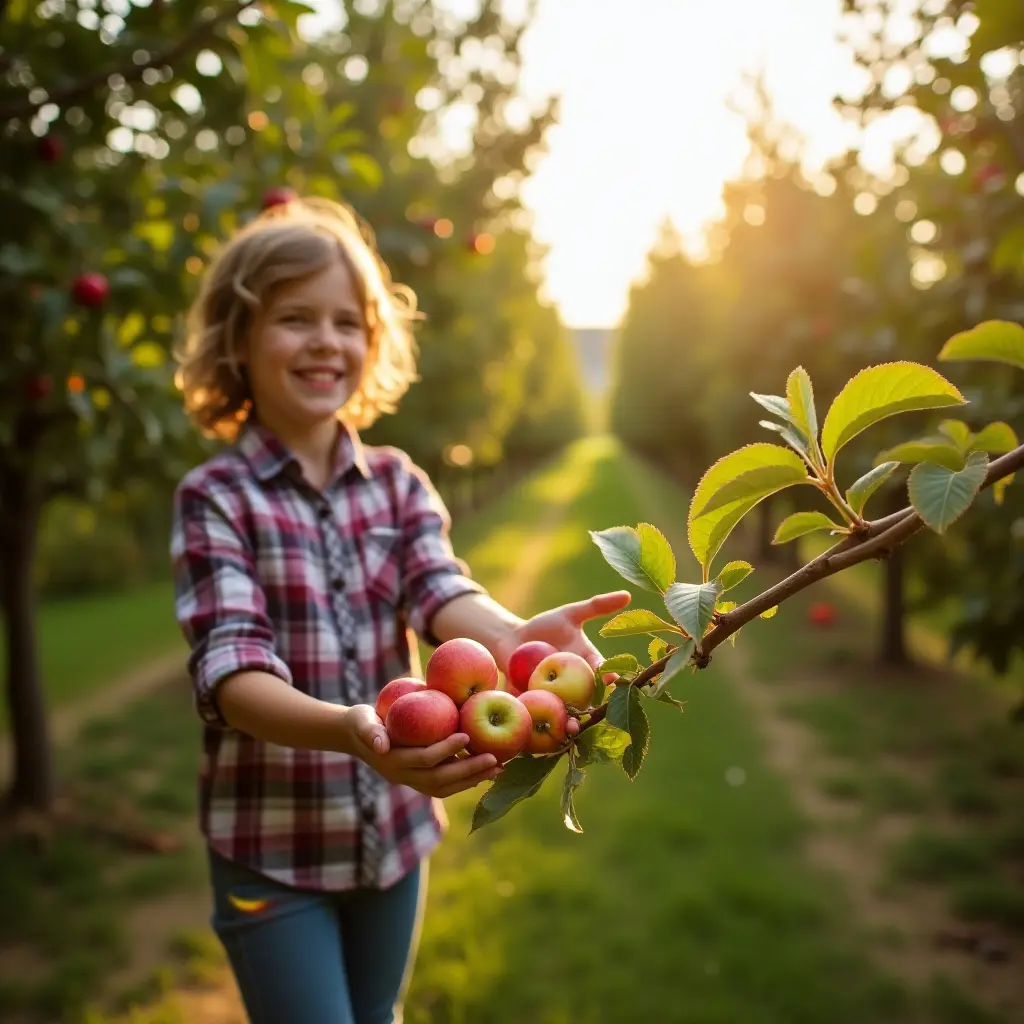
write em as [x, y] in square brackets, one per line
[287, 243]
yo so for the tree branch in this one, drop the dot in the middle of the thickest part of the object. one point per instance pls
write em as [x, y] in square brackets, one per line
[129, 72]
[876, 540]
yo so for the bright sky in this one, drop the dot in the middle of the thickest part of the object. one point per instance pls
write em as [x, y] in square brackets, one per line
[645, 132]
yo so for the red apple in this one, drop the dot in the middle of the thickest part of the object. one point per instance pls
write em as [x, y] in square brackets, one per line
[49, 149]
[421, 718]
[39, 387]
[496, 723]
[90, 289]
[278, 195]
[460, 668]
[550, 718]
[392, 691]
[525, 658]
[566, 675]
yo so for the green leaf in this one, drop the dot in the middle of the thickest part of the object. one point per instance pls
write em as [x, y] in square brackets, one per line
[800, 395]
[657, 649]
[656, 556]
[573, 780]
[724, 607]
[626, 712]
[800, 523]
[769, 613]
[707, 531]
[637, 620]
[679, 660]
[861, 490]
[776, 405]
[666, 698]
[601, 744]
[881, 391]
[996, 439]
[789, 434]
[692, 605]
[521, 778]
[957, 431]
[997, 341]
[366, 169]
[620, 665]
[926, 449]
[643, 564]
[940, 495]
[733, 574]
[751, 473]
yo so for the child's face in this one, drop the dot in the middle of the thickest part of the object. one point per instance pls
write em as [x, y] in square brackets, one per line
[308, 351]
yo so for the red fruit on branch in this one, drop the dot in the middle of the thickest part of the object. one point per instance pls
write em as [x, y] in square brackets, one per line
[90, 289]
[278, 195]
[821, 613]
[39, 387]
[49, 149]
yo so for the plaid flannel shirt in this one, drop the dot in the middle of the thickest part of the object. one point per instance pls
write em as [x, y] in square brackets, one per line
[320, 588]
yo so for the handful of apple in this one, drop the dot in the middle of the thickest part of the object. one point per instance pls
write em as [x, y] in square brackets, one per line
[460, 693]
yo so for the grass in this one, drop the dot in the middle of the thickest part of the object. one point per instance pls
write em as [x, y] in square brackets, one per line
[687, 899]
[87, 642]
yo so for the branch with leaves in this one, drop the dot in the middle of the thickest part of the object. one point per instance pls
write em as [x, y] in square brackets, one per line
[950, 469]
[130, 72]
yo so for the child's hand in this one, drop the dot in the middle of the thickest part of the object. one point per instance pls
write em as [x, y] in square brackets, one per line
[433, 770]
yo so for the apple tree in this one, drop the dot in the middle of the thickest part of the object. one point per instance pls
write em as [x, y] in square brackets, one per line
[694, 618]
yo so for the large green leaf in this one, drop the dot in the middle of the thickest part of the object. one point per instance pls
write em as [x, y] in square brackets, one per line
[751, 473]
[879, 392]
[522, 777]
[997, 341]
[926, 449]
[861, 490]
[692, 605]
[957, 431]
[620, 665]
[800, 394]
[800, 523]
[626, 712]
[790, 435]
[636, 620]
[642, 556]
[940, 495]
[601, 744]
[732, 574]
[707, 530]
[679, 660]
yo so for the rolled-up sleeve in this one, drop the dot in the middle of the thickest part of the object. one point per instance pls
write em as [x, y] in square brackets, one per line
[432, 574]
[219, 603]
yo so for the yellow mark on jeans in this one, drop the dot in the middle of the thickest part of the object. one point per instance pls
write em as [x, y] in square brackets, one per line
[248, 906]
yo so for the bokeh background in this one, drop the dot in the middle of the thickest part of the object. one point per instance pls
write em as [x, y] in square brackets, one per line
[620, 217]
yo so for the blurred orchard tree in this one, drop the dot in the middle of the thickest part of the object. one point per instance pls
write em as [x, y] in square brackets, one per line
[136, 136]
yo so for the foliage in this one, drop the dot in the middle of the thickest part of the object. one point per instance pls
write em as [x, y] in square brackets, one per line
[617, 731]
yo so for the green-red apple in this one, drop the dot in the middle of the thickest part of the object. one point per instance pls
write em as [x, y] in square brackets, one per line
[567, 675]
[496, 723]
[421, 718]
[392, 691]
[525, 658]
[460, 668]
[550, 718]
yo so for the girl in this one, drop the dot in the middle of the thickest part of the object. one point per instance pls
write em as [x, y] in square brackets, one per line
[302, 558]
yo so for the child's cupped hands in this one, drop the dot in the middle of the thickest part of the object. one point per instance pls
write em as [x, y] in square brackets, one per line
[434, 771]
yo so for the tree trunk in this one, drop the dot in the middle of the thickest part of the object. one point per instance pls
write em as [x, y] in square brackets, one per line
[893, 640]
[33, 784]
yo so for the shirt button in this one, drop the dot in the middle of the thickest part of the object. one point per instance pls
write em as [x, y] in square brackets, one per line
[338, 584]
[350, 652]
[324, 511]
[369, 814]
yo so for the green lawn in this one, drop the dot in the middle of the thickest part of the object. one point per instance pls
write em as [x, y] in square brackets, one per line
[88, 642]
[687, 899]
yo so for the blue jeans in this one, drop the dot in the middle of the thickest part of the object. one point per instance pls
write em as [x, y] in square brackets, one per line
[301, 956]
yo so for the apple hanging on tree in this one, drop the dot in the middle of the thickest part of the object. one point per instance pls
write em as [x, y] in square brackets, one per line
[90, 289]
[278, 195]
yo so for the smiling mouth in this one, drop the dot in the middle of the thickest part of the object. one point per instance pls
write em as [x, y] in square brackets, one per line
[320, 378]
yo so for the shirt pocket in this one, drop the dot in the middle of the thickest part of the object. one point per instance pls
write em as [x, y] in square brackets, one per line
[381, 548]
